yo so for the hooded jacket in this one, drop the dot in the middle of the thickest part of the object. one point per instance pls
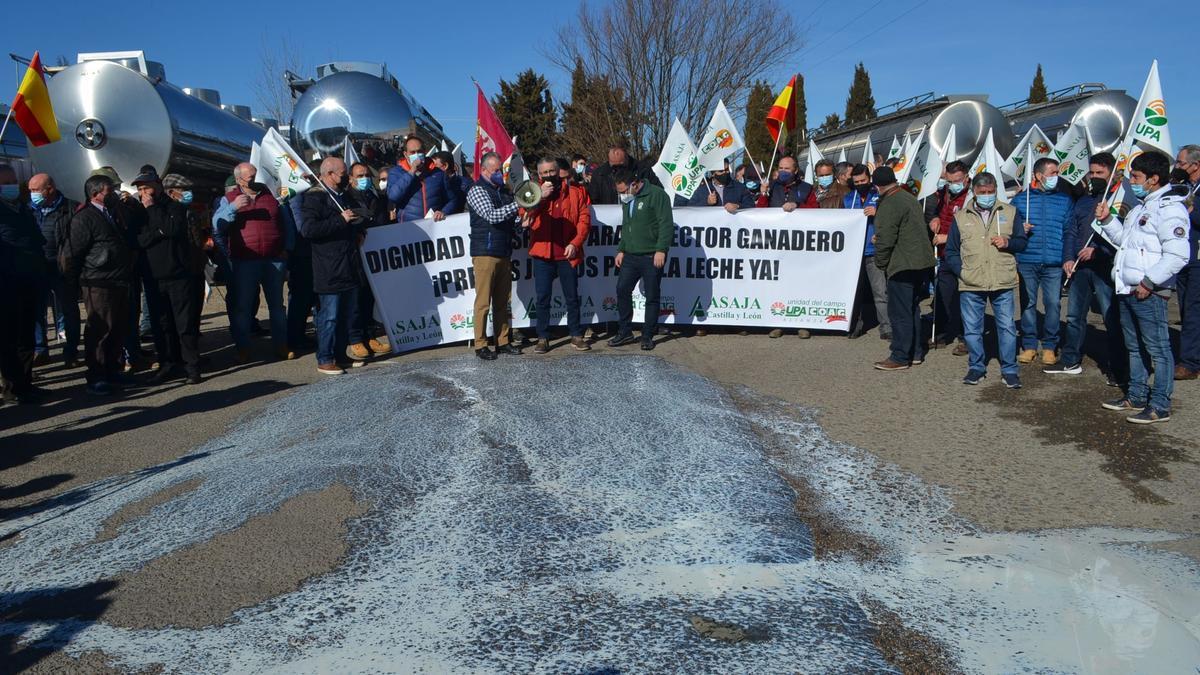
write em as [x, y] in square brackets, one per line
[414, 196]
[1152, 243]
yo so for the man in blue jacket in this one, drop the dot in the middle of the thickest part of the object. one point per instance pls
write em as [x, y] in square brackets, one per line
[416, 187]
[724, 192]
[872, 282]
[1091, 278]
[1046, 213]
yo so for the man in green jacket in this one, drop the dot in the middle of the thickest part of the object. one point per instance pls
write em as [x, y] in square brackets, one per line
[647, 229]
[904, 251]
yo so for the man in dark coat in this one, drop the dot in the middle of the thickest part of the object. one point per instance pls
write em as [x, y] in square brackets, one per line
[23, 273]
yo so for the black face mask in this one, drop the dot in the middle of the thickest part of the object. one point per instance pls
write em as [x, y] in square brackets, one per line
[863, 190]
[552, 180]
[721, 179]
[1096, 186]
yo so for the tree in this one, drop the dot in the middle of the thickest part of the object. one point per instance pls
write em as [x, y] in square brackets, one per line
[598, 116]
[758, 139]
[1037, 90]
[526, 107]
[799, 139]
[832, 122]
[271, 91]
[860, 104]
[676, 58]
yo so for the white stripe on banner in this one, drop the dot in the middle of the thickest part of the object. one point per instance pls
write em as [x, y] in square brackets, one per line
[758, 267]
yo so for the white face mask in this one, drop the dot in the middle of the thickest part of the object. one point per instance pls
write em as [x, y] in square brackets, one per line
[625, 197]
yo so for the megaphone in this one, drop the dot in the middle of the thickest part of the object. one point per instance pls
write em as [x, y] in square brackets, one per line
[528, 194]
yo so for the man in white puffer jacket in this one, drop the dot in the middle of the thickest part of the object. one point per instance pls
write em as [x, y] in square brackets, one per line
[1152, 246]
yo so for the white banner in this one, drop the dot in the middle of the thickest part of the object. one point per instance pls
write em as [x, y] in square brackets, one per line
[757, 267]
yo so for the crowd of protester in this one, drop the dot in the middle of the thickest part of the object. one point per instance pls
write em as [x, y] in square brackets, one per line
[143, 264]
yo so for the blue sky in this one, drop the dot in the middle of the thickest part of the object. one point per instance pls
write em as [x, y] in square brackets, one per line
[908, 46]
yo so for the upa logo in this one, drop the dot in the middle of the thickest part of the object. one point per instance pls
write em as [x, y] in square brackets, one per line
[459, 322]
[679, 182]
[1154, 120]
[609, 304]
[778, 308]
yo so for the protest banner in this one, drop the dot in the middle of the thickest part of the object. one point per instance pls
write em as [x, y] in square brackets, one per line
[762, 268]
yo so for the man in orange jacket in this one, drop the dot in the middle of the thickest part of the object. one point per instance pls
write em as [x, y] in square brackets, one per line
[558, 226]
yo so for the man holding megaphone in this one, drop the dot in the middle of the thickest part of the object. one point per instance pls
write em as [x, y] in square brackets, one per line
[558, 226]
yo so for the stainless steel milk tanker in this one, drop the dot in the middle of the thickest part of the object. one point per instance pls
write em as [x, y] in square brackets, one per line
[110, 114]
[1106, 112]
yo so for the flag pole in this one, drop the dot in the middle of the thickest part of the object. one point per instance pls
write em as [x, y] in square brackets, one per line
[5, 127]
[774, 153]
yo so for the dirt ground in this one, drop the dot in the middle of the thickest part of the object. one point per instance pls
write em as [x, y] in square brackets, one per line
[1045, 456]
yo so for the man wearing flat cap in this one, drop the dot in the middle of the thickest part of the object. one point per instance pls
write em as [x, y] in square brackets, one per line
[170, 249]
[904, 251]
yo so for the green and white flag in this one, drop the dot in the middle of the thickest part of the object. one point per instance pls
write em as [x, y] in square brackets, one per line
[1035, 144]
[1072, 153]
[814, 156]
[1149, 125]
[283, 164]
[721, 139]
[908, 156]
[896, 149]
[989, 161]
[678, 166]
[868, 156]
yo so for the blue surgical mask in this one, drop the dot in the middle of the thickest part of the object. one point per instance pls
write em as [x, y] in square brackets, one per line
[825, 181]
[985, 201]
[363, 183]
[956, 188]
[1049, 183]
[1139, 190]
[497, 178]
[37, 198]
[941, 183]
[416, 158]
[186, 197]
[751, 185]
[785, 176]
[10, 192]
[579, 169]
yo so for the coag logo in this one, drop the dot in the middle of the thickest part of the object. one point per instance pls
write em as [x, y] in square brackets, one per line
[1156, 113]
[724, 138]
[1042, 148]
[900, 164]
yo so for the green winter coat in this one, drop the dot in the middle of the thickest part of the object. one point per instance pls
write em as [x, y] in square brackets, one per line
[903, 241]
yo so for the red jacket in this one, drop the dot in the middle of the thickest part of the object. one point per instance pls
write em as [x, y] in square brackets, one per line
[257, 231]
[565, 219]
[947, 206]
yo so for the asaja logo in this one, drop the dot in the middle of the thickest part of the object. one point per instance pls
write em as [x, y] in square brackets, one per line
[416, 324]
[609, 304]
[1042, 148]
[1156, 113]
[458, 321]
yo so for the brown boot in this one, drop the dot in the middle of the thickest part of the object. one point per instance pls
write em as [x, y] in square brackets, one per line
[777, 332]
[358, 351]
[888, 364]
[1026, 356]
[378, 346]
[580, 344]
[1049, 358]
[1183, 373]
[803, 333]
[541, 347]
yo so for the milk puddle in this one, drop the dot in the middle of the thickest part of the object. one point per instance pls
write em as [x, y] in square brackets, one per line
[582, 516]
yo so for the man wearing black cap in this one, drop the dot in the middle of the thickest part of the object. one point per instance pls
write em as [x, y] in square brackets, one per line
[170, 251]
[904, 251]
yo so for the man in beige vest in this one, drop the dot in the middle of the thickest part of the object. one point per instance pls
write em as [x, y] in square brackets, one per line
[979, 250]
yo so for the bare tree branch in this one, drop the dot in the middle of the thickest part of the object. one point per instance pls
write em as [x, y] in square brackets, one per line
[271, 91]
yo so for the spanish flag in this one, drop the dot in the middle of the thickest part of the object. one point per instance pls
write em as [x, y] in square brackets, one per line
[783, 112]
[31, 108]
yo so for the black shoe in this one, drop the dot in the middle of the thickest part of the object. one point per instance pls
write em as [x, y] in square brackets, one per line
[855, 334]
[622, 340]
[647, 345]
[886, 337]
[1063, 369]
[164, 373]
[486, 354]
[509, 350]
[193, 378]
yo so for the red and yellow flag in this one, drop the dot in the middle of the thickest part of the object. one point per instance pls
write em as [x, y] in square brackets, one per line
[783, 112]
[31, 108]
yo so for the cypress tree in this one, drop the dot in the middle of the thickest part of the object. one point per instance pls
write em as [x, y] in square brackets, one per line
[1037, 90]
[758, 139]
[860, 104]
[526, 108]
[832, 121]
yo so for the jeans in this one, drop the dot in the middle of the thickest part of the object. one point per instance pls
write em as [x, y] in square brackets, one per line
[973, 305]
[300, 299]
[947, 316]
[1144, 323]
[333, 325]
[19, 306]
[64, 300]
[544, 272]
[635, 268]
[248, 275]
[1187, 283]
[904, 292]
[364, 315]
[1048, 279]
[1089, 284]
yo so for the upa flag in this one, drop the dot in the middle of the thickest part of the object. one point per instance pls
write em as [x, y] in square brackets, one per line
[908, 157]
[1072, 153]
[897, 149]
[490, 135]
[868, 157]
[31, 108]
[279, 161]
[678, 168]
[1149, 125]
[721, 139]
[926, 170]
[264, 176]
[842, 156]
[1033, 146]
[814, 156]
[782, 114]
[950, 149]
[989, 162]
[349, 154]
